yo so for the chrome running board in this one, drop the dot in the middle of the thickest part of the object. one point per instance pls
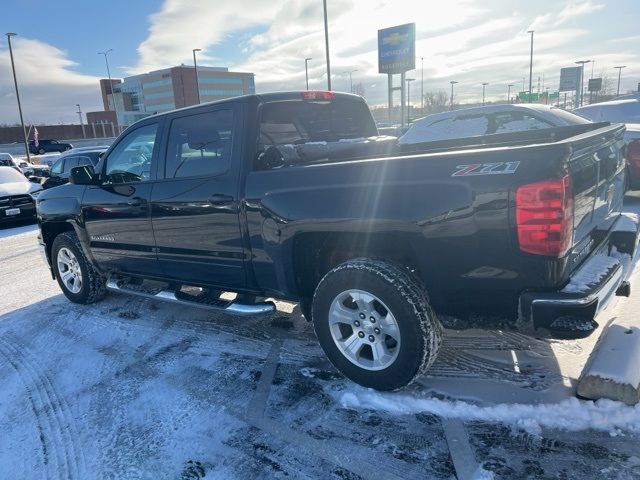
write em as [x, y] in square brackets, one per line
[230, 307]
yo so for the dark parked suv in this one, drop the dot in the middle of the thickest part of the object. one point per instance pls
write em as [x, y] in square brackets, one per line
[45, 146]
[59, 173]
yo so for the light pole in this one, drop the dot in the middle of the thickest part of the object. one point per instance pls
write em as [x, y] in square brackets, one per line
[531, 66]
[106, 60]
[422, 85]
[619, 75]
[195, 67]
[15, 82]
[581, 63]
[306, 70]
[326, 43]
[484, 85]
[84, 135]
[509, 93]
[409, 80]
[452, 82]
[351, 72]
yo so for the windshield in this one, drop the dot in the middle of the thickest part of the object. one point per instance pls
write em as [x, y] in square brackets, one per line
[11, 175]
[296, 122]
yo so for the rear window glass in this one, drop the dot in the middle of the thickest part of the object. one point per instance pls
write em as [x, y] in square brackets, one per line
[297, 122]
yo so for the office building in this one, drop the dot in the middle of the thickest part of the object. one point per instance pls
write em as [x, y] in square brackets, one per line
[139, 96]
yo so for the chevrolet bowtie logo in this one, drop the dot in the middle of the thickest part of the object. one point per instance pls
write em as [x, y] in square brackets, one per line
[394, 39]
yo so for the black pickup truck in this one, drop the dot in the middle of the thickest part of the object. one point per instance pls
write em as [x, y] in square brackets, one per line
[295, 196]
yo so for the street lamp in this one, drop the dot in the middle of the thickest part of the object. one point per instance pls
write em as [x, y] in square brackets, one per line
[195, 67]
[422, 85]
[409, 80]
[350, 72]
[326, 43]
[581, 63]
[15, 82]
[509, 92]
[531, 66]
[452, 82]
[79, 112]
[106, 60]
[306, 70]
[619, 75]
[484, 85]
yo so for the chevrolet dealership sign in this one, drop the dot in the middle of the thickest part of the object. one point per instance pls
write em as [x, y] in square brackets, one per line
[397, 49]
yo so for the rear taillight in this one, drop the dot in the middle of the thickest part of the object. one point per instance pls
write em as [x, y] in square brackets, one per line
[544, 216]
[633, 153]
[318, 95]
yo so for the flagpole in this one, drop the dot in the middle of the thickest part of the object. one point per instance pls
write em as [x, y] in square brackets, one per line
[15, 81]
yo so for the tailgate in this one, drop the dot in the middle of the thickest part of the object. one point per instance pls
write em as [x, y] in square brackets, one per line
[596, 168]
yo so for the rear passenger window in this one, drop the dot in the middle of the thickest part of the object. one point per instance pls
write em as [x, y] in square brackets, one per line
[199, 145]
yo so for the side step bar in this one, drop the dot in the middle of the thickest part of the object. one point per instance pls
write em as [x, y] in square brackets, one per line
[230, 307]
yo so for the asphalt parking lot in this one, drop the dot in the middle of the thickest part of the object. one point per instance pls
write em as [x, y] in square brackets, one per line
[132, 388]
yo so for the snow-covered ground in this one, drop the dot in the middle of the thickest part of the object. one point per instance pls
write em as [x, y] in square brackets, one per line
[132, 388]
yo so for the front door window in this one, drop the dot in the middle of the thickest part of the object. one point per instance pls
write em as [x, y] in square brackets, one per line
[130, 160]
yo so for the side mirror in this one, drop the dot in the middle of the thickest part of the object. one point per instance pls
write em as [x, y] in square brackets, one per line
[83, 175]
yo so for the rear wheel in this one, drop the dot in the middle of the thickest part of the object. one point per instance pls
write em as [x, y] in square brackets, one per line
[78, 279]
[375, 324]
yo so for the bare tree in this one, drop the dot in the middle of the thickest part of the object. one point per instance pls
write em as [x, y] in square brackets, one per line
[435, 102]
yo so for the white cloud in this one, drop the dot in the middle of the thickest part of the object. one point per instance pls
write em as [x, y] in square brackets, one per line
[570, 11]
[49, 88]
[460, 39]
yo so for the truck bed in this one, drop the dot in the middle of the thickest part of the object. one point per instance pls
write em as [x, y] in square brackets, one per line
[447, 206]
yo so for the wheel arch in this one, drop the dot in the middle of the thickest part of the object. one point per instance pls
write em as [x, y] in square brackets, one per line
[315, 254]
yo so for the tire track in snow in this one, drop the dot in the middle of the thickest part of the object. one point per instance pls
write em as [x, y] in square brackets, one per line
[63, 441]
[35, 408]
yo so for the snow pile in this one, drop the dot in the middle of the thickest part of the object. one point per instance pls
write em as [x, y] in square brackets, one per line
[482, 474]
[590, 274]
[571, 414]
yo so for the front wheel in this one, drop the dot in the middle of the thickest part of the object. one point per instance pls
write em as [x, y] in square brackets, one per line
[375, 324]
[78, 279]
[41, 151]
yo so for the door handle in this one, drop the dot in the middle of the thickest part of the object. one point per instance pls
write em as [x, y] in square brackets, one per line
[219, 199]
[135, 202]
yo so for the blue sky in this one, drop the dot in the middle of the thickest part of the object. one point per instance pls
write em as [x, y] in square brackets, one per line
[464, 40]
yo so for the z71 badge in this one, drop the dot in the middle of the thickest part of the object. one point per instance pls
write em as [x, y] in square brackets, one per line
[498, 168]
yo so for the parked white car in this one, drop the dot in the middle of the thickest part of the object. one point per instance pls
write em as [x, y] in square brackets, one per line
[475, 121]
[621, 111]
[28, 169]
[49, 158]
[615, 111]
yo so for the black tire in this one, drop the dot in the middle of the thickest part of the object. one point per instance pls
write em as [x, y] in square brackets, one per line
[41, 151]
[93, 286]
[405, 297]
[306, 308]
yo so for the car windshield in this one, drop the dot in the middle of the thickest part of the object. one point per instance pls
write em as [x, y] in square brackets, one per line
[11, 175]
